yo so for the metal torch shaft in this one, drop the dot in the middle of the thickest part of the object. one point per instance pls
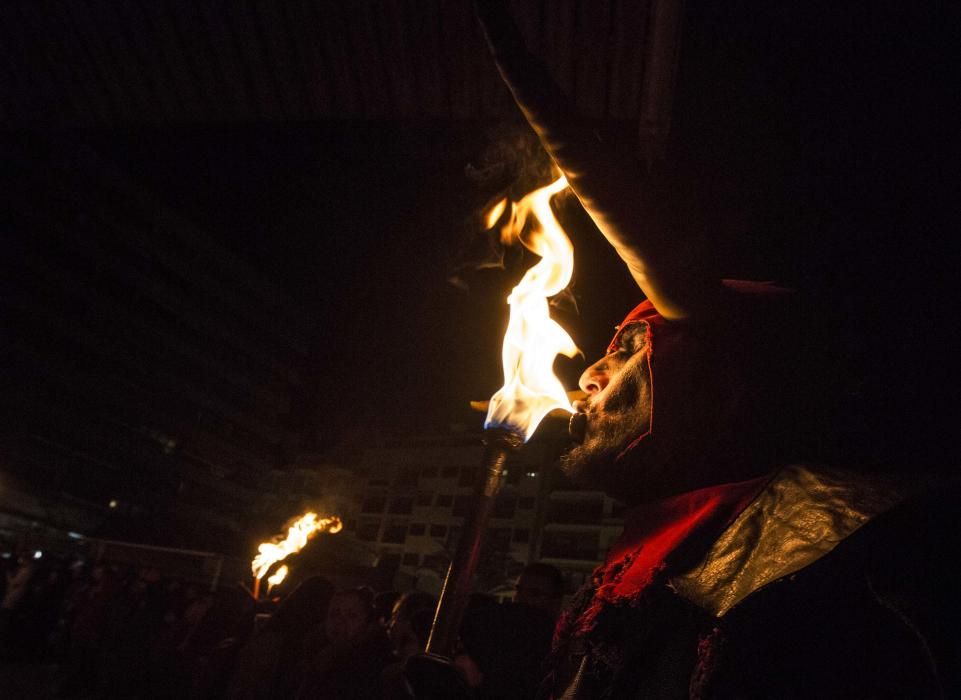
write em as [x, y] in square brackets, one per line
[498, 445]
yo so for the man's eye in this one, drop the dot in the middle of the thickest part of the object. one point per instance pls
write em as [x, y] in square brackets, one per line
[632, 340]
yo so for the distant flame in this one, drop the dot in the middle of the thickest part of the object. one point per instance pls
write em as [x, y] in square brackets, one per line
[277, 577]
[495, 213]
[305, 527]
[533, 338]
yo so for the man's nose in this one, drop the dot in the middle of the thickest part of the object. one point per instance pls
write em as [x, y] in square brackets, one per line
[594, 378]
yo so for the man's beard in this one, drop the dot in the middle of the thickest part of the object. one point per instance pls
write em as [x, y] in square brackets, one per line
[625, 416]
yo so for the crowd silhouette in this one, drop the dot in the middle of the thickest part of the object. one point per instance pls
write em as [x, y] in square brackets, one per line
[72, 629]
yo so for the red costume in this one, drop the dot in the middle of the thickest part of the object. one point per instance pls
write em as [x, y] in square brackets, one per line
[809, 583]
[804, 582]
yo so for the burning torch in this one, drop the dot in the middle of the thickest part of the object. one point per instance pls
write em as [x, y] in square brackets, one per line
[298, 534]
[531, 391]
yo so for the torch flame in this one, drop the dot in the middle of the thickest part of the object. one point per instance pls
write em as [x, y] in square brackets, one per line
[305, 527]
[277, 577]
[495, 212]
[533, 338]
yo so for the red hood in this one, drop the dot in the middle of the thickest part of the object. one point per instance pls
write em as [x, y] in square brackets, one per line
[691, 363]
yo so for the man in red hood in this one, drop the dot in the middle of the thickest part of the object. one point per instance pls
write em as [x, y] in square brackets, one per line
[743, 570]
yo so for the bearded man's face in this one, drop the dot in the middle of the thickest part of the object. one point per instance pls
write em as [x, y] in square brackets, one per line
[616, 412]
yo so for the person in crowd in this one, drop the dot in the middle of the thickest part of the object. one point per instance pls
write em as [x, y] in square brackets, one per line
[41, 610]
[358, 651]
[350, 613]
[541, 586]
[410, 623]
[75, 584]
[82, 672]
[270, 663]
[384, 602]
[408, 630]
[502, 650]
[201, 657]
[18, 580]
[134, 622]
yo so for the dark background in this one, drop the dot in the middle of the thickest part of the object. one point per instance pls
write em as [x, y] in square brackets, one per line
[815, 137]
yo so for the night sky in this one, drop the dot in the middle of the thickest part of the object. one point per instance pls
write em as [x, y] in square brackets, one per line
[811, 136]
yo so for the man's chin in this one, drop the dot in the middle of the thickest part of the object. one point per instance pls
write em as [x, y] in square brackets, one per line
[629, 478]
[592, 464]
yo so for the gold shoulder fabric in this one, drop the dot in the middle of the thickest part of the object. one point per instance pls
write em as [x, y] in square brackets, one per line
[798, 518]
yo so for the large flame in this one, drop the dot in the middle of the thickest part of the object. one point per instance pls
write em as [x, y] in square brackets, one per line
[305, 527]
[533, 338]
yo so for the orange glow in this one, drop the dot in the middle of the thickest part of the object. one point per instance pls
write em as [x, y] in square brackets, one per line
[277, 577]
[533, 338]
[305, 527]
[495, 213]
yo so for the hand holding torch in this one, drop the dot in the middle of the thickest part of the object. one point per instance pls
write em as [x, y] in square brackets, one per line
[530, 392]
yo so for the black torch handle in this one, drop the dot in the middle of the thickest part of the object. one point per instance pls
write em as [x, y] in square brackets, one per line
[498, 444]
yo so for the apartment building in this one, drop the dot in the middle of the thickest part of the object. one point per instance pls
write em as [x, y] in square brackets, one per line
[407, 502]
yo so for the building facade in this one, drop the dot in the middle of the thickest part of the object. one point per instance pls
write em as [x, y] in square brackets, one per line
[407, 501]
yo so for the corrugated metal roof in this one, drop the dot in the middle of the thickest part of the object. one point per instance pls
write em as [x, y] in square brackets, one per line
[100, 63]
